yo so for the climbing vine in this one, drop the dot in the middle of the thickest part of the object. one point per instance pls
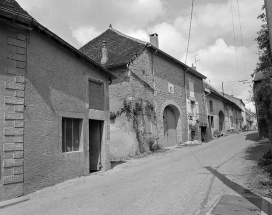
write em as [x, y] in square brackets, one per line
[133, 108]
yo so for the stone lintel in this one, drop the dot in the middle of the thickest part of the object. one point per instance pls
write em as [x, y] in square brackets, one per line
[13, 179]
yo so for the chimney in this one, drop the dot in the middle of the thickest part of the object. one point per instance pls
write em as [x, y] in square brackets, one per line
[193, 67]
[104, 58]
[154, 40]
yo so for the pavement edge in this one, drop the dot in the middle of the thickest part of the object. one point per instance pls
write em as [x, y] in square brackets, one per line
[13, 201]
[213, 205]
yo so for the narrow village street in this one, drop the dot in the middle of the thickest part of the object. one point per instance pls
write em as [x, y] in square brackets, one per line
[182, 181]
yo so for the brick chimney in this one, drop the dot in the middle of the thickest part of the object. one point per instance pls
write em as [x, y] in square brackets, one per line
[104, 58]
[154, 40]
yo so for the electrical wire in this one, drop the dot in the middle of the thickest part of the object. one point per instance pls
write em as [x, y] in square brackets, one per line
[242, 39]
[189, 31]
[234, 38]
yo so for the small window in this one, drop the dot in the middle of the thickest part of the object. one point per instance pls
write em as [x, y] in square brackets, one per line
[192, 89]
[212, 124]
[211, 106]
[192, 106]
[231, 121]
[70, 134]
[96, 95]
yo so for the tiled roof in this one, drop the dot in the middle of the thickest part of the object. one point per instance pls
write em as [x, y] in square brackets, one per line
[12, 5]
[121, 48]
[217, 93]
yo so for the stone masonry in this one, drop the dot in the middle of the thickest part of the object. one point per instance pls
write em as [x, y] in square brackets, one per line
[13, 147]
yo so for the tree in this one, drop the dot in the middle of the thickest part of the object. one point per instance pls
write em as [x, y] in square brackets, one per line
[263, 93]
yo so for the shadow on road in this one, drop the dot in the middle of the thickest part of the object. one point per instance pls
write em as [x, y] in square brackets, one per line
[256, 151]
[252, 136]
[247, 194]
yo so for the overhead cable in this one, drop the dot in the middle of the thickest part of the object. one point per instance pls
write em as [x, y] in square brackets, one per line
[189, 30]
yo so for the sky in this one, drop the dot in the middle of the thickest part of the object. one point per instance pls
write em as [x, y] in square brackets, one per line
[221, 48]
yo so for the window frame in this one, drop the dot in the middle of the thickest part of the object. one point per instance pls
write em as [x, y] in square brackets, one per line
[102, 93]
[211, 105]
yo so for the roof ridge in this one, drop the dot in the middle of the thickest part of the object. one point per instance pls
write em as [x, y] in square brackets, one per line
[128, 37]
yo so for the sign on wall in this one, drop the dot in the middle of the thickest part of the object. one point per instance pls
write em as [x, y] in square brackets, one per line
[170, 88]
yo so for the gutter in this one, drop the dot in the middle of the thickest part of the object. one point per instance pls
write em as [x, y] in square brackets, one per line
[31, 22]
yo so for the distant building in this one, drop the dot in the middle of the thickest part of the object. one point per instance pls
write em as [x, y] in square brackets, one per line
[170, 92]
[54, 107]
[251, 120]
[223, 114]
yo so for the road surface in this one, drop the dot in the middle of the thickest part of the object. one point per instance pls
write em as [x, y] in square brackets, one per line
[181, 181]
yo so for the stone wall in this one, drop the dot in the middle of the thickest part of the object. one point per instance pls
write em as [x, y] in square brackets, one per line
[13, 44]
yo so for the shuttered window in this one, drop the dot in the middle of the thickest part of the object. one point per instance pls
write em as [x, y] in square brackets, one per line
[96, 95]
[192, 89]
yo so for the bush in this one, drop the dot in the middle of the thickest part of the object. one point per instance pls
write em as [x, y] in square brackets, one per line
[267, 155]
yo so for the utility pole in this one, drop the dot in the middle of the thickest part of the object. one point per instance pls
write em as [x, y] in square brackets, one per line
[268, 9]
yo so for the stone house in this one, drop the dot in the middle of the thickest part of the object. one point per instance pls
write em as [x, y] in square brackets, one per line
[54, 107]
[223, 114]
[162, 85]
[241, 104]
[251, 120]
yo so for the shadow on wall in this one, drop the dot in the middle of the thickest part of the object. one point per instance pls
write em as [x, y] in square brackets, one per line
[247, 194]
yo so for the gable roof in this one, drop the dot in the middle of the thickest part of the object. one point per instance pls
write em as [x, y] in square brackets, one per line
[249, 112]
[11, 10]
[12, 5]
[220, 95]
[230, 97]
[122, 48]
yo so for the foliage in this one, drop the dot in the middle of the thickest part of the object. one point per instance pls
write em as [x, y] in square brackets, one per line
[262, 39]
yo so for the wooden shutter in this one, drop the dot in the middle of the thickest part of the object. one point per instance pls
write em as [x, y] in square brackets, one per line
[96, 95]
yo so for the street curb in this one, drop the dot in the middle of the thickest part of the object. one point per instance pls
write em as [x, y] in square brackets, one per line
[13, 201]
[213, 205]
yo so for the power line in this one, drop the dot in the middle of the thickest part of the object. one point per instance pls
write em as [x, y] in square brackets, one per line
[234, 38]
[190, 30]
[242, 39]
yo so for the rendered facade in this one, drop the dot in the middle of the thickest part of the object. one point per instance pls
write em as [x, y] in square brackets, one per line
[54, 107]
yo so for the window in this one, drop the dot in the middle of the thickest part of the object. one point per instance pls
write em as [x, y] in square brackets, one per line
[96, 95]
[193, 107]
[212, 124]
[211, 106]
[70, 134]
[192, 89]
[231, 121]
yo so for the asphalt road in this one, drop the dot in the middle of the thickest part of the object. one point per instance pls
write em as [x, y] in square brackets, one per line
[181, 181]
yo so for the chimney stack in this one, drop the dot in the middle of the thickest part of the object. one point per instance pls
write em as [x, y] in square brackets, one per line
[104, 58]
[154, 40]
[193, 67]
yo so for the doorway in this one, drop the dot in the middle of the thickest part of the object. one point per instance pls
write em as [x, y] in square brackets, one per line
[170, 126]
[203, 134]
[95, 138]
[221, 120]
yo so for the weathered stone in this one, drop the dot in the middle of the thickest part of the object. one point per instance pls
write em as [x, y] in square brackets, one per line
[13, 162]
[20, 50]
[19, 124]
[18, 170]
[20, 79]
[14, 86]
[21, 37]
[18, 57]
[14, 100]
[14, 116]
[19, 139]
[13, 179]
[14, 131]
[21, 64]
[20, 93]
[18, 155]
[19, 108]
[8, 147]
[15, 71]
[15, 42]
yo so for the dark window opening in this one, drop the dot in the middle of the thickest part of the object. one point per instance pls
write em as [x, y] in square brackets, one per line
[211, 106]
[70, 134]
[212, 124]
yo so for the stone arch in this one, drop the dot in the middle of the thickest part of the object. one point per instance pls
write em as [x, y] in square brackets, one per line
[170, 123]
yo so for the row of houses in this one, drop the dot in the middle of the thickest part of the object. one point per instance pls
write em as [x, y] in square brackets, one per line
[65, 112]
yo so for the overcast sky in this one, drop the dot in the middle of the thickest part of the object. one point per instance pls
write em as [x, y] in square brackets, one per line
[212, 38]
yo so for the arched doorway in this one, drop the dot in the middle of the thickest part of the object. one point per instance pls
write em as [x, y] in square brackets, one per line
[170, 119]
[221, 120]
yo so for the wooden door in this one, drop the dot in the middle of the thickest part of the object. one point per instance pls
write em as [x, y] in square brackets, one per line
[95, 137]
[170, 127]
